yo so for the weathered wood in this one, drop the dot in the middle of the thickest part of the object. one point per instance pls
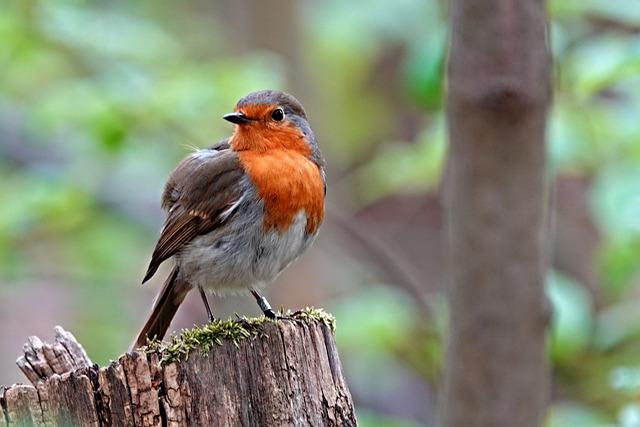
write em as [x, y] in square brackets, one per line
[41, 360]
[21, 405]
[284, 373]
[116, 394]
[69, 399]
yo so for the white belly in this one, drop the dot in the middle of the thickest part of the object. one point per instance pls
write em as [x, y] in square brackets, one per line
[240, 256]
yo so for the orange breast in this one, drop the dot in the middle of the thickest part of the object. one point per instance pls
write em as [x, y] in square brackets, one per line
[287, 181]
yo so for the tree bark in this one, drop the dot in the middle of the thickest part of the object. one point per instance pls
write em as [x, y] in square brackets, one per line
[284, 373]
[498, 96]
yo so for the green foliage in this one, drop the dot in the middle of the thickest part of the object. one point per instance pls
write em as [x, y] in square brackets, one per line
[616, 325]
[594, 132]
[416, 167]
[571, 415]
[425, 71]
[572, 318]
[373, 322]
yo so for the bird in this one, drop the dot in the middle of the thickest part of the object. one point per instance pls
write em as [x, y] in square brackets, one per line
[239, 212]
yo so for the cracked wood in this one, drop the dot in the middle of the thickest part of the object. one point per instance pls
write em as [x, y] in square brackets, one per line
[288, 375]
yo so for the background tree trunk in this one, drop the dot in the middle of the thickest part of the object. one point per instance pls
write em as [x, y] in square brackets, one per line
[285, 373]
[496, 373]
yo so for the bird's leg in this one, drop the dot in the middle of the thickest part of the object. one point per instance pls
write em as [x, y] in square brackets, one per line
[206, 304]
[264, 305]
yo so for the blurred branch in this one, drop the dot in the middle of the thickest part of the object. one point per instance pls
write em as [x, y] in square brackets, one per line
[606, 24]
[382, 252]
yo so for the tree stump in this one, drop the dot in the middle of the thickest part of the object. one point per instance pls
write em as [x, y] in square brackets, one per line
[248, 372]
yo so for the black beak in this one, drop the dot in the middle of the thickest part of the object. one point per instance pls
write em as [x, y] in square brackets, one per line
[236, 118]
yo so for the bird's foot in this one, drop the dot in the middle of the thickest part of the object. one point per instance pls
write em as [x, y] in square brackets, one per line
[243, 321]
[274, 315]
[270, 313]
[203, 296]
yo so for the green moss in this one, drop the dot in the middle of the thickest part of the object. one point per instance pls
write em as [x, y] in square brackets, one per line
[312, 314]
[215, 333]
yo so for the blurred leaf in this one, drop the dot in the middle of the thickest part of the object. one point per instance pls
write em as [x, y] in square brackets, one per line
[619, 263]
[111, 130]
[105, 31]
[423, 349]
[346, 102]
[41, 203]
[616, 201]
[103, 252]
[574, 415]
[404, 167]
[367, 21]
[425, 71]
[566, 146]
[619, 10]
[572, 322]
[373, 320]
[349, 99]
[630, 416]
[625, 378]
[615, 324]
[601, 63]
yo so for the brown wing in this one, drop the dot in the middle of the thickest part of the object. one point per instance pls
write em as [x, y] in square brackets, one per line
[198, 196]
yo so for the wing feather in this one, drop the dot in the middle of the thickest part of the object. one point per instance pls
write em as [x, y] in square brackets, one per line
[200, 195]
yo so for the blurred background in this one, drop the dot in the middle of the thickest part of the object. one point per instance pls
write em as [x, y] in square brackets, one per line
[99, 101]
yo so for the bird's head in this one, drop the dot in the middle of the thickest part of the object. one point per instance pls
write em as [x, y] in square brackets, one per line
[271, 119]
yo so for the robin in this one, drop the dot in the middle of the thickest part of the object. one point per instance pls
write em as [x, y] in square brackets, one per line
[240, 212]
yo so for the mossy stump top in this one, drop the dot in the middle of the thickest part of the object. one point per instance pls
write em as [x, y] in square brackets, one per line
[246, 372]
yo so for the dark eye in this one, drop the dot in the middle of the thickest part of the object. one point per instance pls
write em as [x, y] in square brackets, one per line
[278, 115]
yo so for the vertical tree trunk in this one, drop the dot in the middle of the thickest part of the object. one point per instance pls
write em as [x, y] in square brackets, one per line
[496, 373]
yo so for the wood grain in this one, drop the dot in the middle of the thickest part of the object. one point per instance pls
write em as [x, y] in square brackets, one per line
[288, 374]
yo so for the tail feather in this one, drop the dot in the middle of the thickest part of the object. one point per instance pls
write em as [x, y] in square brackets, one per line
[165, 306]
